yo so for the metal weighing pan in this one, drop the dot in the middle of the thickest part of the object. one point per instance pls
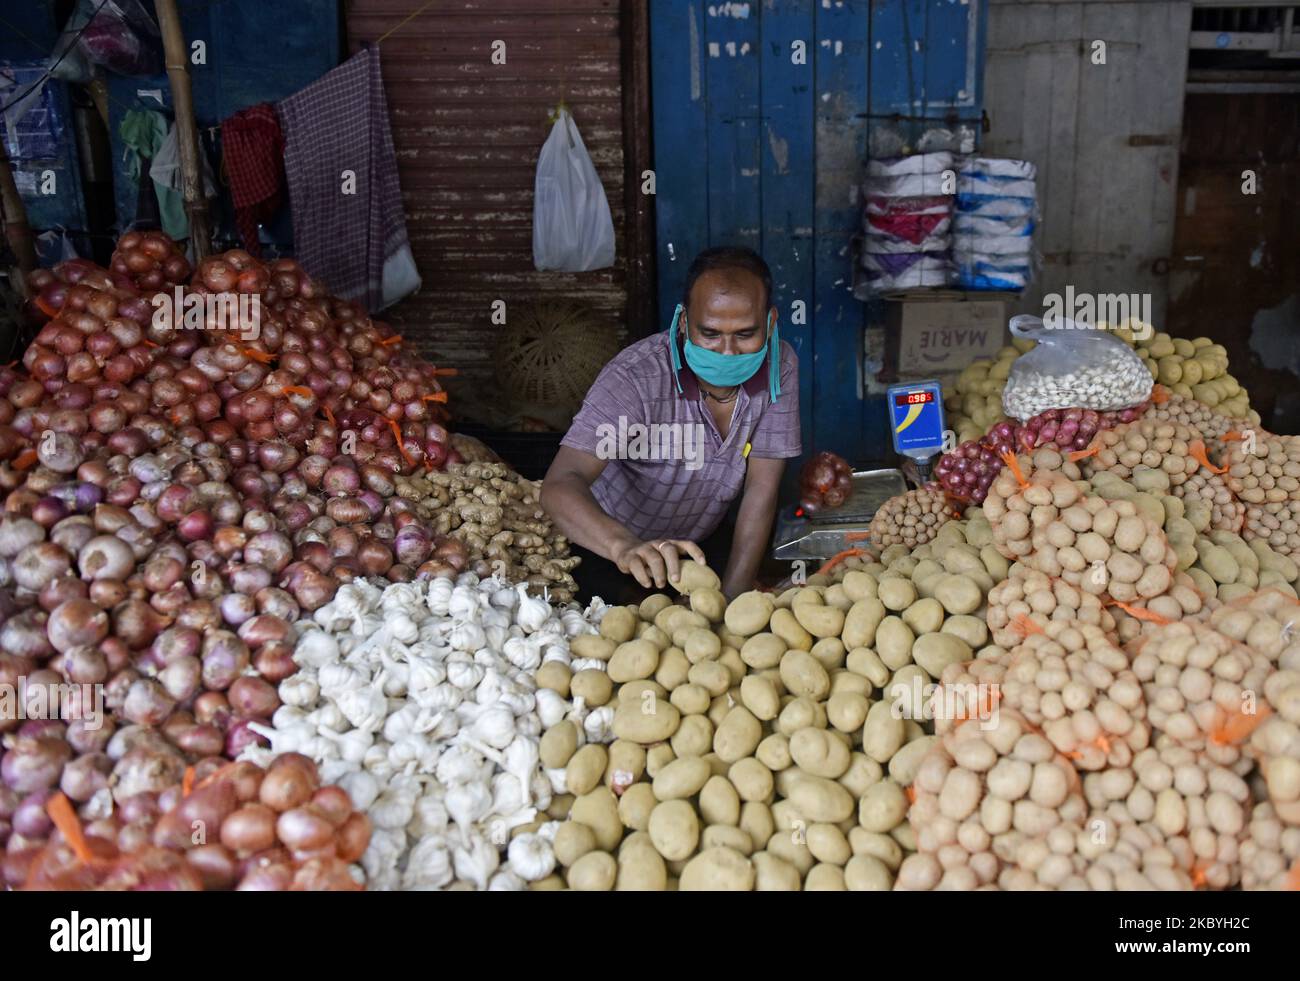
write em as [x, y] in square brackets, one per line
[824, 534]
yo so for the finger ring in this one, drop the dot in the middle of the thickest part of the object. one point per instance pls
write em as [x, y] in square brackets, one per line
[659, 546]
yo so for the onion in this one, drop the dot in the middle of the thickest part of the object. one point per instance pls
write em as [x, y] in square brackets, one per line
[34, 764]
[37, 565]
[76, 623]
[105, 557]
[251, 828]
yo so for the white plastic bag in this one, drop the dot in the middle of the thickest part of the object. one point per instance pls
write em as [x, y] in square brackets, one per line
[573, 230]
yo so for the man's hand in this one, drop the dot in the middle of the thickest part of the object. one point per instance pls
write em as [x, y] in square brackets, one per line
[656, 562]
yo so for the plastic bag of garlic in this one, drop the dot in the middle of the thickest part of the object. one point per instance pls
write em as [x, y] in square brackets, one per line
[422, 700]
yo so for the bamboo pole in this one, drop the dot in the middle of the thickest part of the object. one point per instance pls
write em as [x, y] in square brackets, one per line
[17, 231]
[176, 53]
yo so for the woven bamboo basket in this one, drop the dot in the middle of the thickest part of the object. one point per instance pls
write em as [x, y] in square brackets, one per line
[551, 352]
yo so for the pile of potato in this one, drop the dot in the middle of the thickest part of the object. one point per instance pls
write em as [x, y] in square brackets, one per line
[1270, 852]
[1195, 369]
[1264, 474]
[974, 403]
[910, 519]
[1028, 599]
[766, 743]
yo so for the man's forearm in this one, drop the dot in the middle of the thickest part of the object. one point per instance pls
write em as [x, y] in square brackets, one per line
[580, 519]
[753, 526]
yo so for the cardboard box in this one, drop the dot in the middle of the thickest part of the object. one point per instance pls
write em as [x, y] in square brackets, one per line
[941, 335]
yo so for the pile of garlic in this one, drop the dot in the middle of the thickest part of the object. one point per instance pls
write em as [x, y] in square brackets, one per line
[419, 700]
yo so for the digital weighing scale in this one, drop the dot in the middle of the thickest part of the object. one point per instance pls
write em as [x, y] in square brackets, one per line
[916, 423]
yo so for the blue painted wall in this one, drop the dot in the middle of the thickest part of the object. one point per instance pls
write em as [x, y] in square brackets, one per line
[754, 148]
[27, 36]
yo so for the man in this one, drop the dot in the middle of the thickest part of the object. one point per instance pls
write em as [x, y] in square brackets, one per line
[675, 428]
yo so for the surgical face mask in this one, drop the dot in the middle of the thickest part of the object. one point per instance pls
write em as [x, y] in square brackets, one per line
[727, 369]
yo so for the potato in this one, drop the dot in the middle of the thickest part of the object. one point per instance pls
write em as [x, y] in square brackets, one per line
[847, 682]
[882, 733]
[554, 675]
[829, 652]
[558, 744]
[722, 705]
[763, 651]
[691, 699]
[651, 720]
[653, 605]
[673, 668]
[847, 711]
[820, 799]
[828, 844]
[711, 676]
[585, 769]
[599, 811]
[683, 777]
[674, 829]
[635, 805]
[726, 836]
[657, 757]
[572, 841]
[719, 801]
[818, 752]
[818, 619]
[935, 651]
[799, 713]
[905, 761]
[593, 646]
[774, 752]
[861, 774]
[924, 616]
[883, 847]
[700, 644]
[709, 603]
[867, 663]
[593, 686]
[633, 660]
[788, 843]
[718, 869]
[760, 696]
[824, 878]
[738, 736]
[618, 624]
[593, 872]
[894, 642]
[896, 594]
[641, 869]
[774, 874]
[861, 622]
[730, 659]
[803, 675]
[867, 873]
[694, 736]
[973, 630]
[634, 690]
[695, 575]
[790, 630]
[883, 807]
[749, 613]
[959, 594]
[751, 779]
[626, 759]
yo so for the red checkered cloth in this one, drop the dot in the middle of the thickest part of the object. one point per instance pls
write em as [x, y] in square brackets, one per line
[342, 175]
[252, 148]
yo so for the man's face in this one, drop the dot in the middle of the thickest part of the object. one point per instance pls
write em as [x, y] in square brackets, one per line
[726, 312]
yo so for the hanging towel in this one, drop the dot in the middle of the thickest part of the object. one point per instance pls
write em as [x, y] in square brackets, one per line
[166, 173]
[341, 170]
[253, 152]
[143, 131]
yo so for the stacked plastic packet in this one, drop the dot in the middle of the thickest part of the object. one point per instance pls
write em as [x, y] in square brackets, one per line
[907, 221]
[993, 227]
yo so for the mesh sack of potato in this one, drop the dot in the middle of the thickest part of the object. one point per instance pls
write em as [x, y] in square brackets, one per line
[1200, 808]
[1072, 682]
[1201, 686]
[989, 785]
[1270, 855]
[1170, 447]
[753, 747]
[1028, 599]
[1226, 512]
[1264, 474]
[910, 519]
[1051, 525]
[1275, 743]
[969, 689]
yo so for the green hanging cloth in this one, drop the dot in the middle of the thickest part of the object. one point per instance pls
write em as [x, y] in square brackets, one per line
[144, 131]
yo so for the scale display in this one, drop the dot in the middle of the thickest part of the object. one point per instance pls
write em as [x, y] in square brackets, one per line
[916, 418]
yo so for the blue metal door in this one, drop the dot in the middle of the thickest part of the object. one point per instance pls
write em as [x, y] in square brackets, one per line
[763, 117]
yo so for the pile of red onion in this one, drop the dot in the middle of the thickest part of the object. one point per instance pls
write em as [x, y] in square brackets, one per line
[826, 481]
[267, 830]
[966, 473]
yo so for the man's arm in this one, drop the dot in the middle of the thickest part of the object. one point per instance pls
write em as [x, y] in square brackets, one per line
[753, 524]
[567, 498]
